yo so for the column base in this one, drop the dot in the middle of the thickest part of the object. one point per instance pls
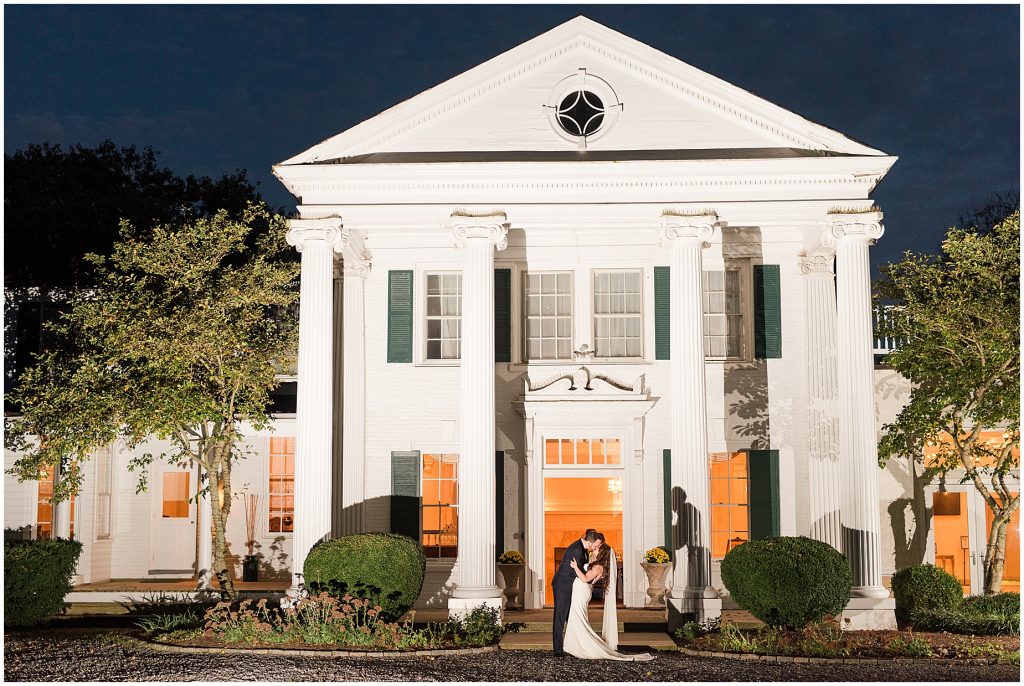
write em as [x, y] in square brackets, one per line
[693, 608]
[869, 613]
[869, 592]
[457, 607]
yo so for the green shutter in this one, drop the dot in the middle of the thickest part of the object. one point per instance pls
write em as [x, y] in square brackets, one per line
[767, 312]
[499, 503]
[763, 468]
[666, 470]
[400, 315]
[405, 493]
[662, 317]
[502, 315]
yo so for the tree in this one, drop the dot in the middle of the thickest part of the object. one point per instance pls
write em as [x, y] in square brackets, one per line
[957, 315]
[61, 204]
[181, 340]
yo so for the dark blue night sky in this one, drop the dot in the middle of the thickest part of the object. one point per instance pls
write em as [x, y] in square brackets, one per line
[215, 88]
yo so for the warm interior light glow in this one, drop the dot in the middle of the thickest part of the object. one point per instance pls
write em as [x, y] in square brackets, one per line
[571, 506]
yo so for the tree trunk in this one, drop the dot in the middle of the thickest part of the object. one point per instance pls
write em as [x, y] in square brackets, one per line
[220, 483]
[995, 551]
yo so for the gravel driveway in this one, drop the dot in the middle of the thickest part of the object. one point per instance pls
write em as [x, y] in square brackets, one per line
[90, 655]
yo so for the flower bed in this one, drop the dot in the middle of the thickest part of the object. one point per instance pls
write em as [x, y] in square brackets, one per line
[827, 640]
[319, 622]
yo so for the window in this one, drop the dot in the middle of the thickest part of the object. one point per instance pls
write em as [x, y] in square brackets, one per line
[104, 483]
[548, 307]
[583, 451]
[730, 502]
[440, 505]
[723, 316]
[581, 113]
[44, 506]
[618, 315]
[444, 316]
[174, 496]
[281, 490]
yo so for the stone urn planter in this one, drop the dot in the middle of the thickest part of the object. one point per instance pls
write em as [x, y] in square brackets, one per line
[657, 573]
[513, 576]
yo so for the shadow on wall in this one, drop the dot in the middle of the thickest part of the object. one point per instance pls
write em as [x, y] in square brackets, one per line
[684, 535]
[911, 545]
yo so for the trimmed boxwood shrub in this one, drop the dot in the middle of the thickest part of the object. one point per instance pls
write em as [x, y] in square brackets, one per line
[997, 603]
[924, 587]
[37, 576]
[386, 569]
[788, 581]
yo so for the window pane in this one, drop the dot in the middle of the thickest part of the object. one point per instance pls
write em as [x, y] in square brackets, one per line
[433, 350]
[613, 451]
[583, 451]
[431, 518]
[175, 495]
[433, 284]
[567, 452]
[550, 451]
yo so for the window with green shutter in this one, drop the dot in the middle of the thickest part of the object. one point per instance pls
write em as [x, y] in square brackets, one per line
[764, 494]
[502, 315]
[662, 301]
[400, 315]
[767, 312]
[405, 493]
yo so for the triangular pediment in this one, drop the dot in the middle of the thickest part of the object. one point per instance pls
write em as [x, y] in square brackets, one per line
[505, 106]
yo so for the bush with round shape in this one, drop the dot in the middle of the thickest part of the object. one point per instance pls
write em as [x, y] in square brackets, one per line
[37, 576]
[789, 581]
[386, 569]
[924, 587]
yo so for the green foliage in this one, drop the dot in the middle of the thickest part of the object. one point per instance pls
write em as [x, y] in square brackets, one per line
[957, 315]
[693, 630]
[787, 581]
[165, 622]
[924, 587]
[977, 619]
[997, 603]
[184, 333]
[37, 576]
[344, 622]
[911, 646]
[386, 569]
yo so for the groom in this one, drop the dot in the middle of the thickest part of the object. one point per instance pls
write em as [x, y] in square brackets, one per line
[562, 582]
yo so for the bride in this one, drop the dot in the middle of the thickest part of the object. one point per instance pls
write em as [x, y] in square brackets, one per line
[581, 640]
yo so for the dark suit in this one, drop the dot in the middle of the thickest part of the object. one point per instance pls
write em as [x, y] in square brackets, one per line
[562, 585]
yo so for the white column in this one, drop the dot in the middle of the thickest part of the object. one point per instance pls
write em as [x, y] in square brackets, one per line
[317, 240]
[61, 510]
[822, 403]
[354, 273]
[204, 558]
[478, 237]
[858, 450]
[691, 596]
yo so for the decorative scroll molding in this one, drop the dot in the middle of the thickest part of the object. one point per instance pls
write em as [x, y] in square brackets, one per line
[492, 226]
[817, 265]
[856, 225]
[703, 227]
[327, 229]
[583, 379]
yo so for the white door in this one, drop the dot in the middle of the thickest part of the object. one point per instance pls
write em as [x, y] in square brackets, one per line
[174, 521]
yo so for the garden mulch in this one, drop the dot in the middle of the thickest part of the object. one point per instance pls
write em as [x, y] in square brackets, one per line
[878, 644]
[67, 653]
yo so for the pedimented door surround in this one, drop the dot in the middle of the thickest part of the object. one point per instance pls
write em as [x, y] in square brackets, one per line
[581, 403]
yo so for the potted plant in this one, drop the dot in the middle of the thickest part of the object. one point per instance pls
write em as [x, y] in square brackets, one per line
[512, 565]
[656, 564]
[250, 563]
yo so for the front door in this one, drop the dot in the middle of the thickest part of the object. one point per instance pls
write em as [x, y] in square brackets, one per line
[583, 489]
[174, 522]
[960, 525]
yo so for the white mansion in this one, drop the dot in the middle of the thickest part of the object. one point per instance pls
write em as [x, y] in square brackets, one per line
[581, 285]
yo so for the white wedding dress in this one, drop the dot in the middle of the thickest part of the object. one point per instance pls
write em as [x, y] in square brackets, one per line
[580, 639]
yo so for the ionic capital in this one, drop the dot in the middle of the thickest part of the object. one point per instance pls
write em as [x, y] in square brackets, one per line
[817, 265]
[492, 226]
[327, 229]
[865, 226]
[680, 228]
[350, 268]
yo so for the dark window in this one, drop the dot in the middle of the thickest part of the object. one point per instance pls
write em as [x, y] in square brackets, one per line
[581, 113]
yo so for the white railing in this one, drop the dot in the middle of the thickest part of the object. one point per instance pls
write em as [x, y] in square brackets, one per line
[883, 345]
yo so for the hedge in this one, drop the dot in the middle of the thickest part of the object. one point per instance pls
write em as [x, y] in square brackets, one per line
[924, 587]
[788, 581]
[37, 576]
[387, 569]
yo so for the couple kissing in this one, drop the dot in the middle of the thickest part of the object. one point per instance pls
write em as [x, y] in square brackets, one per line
[584, 562]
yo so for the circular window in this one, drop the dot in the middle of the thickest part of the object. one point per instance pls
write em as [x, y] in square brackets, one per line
[582, 108]
[581, 113]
